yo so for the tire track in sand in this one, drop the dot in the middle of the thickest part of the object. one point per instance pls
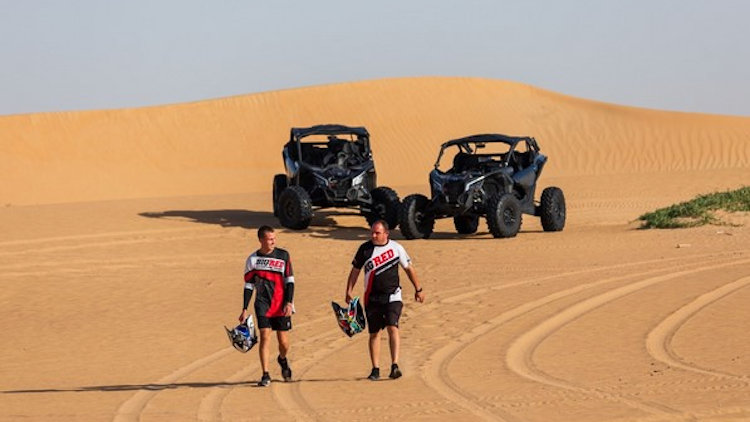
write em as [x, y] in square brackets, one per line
[92, 236]
[289, 397]
[436, 373]
[209, 408]
[292, 399]
[520, 354]
[436, 367]
[658, 341]
[104, 244]
[132, 409]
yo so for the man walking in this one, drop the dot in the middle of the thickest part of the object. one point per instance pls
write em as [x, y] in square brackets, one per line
[268, 272]
[380, 258]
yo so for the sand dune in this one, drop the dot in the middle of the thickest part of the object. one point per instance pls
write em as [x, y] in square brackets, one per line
[126, 230]
[233, 144]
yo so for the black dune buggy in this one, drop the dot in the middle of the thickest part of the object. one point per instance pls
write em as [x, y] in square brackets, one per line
[492, 176]
[330, 166]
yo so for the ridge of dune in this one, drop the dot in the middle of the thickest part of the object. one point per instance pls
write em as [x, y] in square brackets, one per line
[233, 144]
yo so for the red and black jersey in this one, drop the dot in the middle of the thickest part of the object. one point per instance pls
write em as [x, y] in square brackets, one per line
[272, 279]
[381, 270]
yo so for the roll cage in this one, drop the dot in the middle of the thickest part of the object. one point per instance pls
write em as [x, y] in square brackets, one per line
[470, 157]
[314, 152]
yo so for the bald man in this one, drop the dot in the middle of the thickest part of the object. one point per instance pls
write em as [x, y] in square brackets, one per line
[380, 257]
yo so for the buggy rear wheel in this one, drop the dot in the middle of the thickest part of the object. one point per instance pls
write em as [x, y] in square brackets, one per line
[466, 224]
[385, 206]
[413, 221]
[279, 184]
[552, 209]
[504, 215]
[295, 208]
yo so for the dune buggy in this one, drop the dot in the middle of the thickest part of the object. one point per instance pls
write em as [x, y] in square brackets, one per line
[492, 176]
[330, 166]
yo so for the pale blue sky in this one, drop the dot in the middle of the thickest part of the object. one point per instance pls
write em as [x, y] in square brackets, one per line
[686, 55]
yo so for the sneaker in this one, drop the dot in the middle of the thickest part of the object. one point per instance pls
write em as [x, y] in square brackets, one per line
[395, 372]
[374, 375]
[265, 380]
[286, 371]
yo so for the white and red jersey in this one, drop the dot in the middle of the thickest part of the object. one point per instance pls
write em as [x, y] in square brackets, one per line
[269, 276]
[381, 270]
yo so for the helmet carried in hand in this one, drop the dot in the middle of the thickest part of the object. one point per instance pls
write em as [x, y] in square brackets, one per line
[352, 318]
[243, 336]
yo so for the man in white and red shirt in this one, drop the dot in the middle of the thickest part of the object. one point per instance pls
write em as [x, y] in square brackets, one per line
[380, 257]
[268, 272]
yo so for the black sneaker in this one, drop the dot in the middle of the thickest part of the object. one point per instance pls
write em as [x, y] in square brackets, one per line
[286, 371]
[374, 375]
[265, 380]
[395, 372]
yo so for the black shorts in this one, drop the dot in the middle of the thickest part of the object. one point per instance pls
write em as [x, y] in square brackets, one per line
[282, 323]
[380, 315]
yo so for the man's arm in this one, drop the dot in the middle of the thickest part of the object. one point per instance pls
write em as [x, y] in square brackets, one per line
[289, 299]
[288, 287]
[418, 293]
[353, 275]
[246, 295]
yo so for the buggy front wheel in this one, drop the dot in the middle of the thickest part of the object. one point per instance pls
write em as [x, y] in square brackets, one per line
[295, 208]
[552, 209]
[414, 222]
[504, 215]
[385, 206]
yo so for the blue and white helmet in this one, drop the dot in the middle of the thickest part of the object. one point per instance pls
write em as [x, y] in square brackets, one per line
[243, 336]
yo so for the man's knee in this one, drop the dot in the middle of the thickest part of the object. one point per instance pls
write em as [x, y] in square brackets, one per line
[265, 334]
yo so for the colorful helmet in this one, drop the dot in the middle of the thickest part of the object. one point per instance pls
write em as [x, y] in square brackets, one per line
[243, 336]
[351, 319]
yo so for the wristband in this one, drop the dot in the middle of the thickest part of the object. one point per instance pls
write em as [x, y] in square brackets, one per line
[419, 290]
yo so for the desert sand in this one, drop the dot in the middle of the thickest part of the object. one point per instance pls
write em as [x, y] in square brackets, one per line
[124, 234]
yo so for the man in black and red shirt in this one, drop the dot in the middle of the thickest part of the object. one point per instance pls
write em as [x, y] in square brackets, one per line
[380, 257]
[268, 272]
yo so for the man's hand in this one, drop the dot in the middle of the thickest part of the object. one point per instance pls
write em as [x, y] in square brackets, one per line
[243, 316]
[419, 296]
[418, 293]
[350, 282]
[288, 309]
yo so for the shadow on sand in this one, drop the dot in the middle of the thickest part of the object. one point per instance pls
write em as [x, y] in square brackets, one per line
[171, 386]
[323, 224]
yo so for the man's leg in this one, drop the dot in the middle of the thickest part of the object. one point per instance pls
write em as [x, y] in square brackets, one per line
[394, 338]
[375, 356]
[263, 350]
[283, 338]
[394, 341]
[375, 349]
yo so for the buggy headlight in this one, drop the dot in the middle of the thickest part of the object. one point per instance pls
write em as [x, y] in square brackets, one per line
[359, 179]
[321, 180]
[474, 183]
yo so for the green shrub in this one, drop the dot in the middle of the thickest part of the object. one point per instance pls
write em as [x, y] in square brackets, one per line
[698, 211]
